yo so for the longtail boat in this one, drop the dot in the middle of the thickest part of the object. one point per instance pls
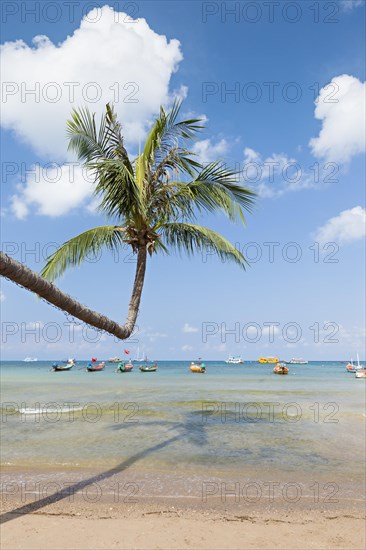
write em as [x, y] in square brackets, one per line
[95, 368]
[124, 367]
[58, 368]
[147, 368]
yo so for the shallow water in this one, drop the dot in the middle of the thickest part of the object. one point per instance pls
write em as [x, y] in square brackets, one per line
[239, 418]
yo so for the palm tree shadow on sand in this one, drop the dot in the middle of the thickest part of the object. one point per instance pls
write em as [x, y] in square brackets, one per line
[191, 429]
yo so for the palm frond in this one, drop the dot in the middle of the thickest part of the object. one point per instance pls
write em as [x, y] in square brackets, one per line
[166, 133]
[216, 187]
[74, 251]
[186, 237]
[83, 137]
[91, 144]
[120, 194]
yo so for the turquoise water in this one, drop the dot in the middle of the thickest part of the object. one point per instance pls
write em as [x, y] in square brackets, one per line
[239, 418]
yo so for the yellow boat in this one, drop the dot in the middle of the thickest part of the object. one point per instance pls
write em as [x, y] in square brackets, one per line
[268, 360]
[198, 367]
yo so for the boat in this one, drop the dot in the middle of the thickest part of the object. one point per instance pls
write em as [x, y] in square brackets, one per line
[295, 361]
[234, 360]
[350, 367]
[354, 368]
[361, 373]
[141, 358]
[280, 368]
[268, 360]
[57, 368]
[95, 368]
[30, 359]
[149, 368]
[198, 367]
[114, 360]
[70, 361]
[124, 367]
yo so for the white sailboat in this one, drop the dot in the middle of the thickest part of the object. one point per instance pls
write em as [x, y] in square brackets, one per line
[354, 368]
[141, 358]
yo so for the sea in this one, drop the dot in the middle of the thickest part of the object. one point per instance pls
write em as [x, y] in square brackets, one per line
[176, 429]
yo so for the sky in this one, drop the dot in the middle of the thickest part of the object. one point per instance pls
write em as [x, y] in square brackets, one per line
[281, 88]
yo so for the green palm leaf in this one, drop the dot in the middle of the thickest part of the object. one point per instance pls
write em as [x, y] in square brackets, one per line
[74, 251]
[188, 238]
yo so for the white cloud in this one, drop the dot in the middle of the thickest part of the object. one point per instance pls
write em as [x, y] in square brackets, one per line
[148, 333]
[188, 328]
[186, 347]
[251, 156]
[153, 336]
[208, 151]
[341, 108]
[34, 325]
[53, 192]
[275, 175]
[348, 5]
[2, 296]
[348, 226]
[108, 58]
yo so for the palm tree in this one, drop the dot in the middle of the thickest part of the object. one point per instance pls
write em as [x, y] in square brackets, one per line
[25, 277]
[154, 201]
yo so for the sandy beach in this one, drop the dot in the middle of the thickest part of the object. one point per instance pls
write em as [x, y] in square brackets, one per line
[87, 514]
[159, 526]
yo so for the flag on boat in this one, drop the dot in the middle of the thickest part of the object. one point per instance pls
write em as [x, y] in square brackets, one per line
[127, 352]
[94, 359]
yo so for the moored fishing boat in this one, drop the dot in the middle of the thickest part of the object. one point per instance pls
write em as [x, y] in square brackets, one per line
[350, 367]
[95, 368]
[234, 360]
[354, 368]
[361, 373]
[268, 360]
[114, 360]
[198, 367]
[149, 368]
[58, 368]
[280, 368]
[124, 367]
[30, 359]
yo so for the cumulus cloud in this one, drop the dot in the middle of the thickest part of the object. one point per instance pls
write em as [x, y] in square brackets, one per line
[186, 347]
[188, 328]
[53, 191]
[153, 336]
[208, 151]
[34, 325]
[274, 175]
[348, 226]
[349, 5]
[108, 58]
[341, 108]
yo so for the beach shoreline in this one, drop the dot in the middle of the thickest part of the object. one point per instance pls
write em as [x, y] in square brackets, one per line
[37, 514]
[164, 525]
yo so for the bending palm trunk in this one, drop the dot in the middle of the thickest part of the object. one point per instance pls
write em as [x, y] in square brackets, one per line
[25, 277]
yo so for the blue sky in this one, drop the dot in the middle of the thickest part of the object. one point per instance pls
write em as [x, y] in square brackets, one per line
[254, 75]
